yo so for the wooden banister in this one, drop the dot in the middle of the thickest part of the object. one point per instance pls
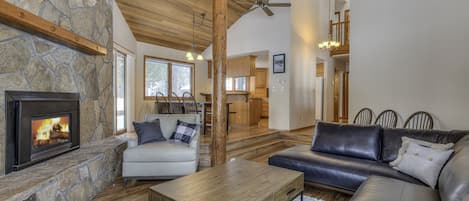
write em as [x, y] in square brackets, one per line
[26, 21]
[342, 32]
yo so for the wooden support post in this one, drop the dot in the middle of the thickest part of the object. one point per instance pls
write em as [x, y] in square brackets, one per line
[219, 123]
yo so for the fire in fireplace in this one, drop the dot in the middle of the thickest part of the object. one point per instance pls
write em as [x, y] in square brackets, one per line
[50, 131]
[40, 125]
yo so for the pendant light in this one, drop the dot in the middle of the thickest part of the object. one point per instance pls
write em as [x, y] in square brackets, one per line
[329, 44]
[190, 54]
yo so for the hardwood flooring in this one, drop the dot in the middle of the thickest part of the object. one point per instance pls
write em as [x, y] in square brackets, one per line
[138, 191]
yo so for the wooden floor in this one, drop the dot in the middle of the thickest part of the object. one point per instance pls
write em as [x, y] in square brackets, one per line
[138, 191]
[237, 133]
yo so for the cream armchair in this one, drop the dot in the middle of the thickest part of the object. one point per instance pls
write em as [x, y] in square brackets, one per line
[162, 160]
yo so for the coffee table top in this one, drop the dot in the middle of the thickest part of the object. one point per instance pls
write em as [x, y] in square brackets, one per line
[236, 180]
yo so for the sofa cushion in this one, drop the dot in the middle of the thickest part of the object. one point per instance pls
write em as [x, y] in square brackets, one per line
[334, 170]
[377, 188]
[392, 139]
[454, 178]
[160, 152]
[148, 131]
[348, 140]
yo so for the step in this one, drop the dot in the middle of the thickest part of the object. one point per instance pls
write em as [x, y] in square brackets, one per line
[252, 140]
[256, 150]
[301, 139]
[265, 158]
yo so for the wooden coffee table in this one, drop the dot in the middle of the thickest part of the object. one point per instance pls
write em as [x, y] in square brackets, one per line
[233, 181]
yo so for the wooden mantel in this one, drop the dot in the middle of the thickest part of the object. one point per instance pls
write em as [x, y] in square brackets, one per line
[26, 21]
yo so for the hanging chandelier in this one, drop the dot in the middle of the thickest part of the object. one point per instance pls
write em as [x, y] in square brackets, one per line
[190, 54]
[329, 43]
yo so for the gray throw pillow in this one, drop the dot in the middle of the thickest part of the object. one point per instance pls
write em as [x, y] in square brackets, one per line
[423, 163]
[149, 131]
[405, 144]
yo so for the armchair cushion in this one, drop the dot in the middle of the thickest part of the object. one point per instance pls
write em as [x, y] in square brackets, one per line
[149, 131]
[160, 152]
[184, 132]
[168, 124]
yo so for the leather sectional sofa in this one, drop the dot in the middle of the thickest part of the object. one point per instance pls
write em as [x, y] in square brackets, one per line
[356, 159]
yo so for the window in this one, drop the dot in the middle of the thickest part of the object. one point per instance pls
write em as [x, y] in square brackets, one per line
[237, 84]
[120, 92]
[167, 76]
[229, 84]
[241, 84]
[181, 78]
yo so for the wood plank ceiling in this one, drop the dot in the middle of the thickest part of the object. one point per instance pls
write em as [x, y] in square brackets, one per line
[168, 23]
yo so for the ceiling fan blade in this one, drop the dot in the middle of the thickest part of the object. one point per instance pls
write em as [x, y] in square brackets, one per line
[279, 4]
[267, 11]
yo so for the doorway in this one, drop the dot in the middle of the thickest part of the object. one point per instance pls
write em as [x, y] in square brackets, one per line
[319, 83]
[341, 91]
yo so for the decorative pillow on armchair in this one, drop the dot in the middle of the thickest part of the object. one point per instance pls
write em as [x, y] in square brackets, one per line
[148, 131]
[184, 132]
[423, 163]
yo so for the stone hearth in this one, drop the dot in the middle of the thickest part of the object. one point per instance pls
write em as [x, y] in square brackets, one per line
[78, 175]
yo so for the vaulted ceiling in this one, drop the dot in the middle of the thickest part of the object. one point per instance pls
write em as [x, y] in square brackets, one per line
[168, 23]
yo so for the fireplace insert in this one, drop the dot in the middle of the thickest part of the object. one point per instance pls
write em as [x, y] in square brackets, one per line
[40, 125]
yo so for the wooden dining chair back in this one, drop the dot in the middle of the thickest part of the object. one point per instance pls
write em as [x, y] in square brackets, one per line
[387, 119]
[420, 120]
[189, 103]
[162, 104]
[176, 104]
[363, 117]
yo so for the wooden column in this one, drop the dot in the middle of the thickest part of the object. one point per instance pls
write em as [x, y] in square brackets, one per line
[219, 131]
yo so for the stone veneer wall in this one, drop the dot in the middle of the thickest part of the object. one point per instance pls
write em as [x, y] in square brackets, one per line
[31, 63]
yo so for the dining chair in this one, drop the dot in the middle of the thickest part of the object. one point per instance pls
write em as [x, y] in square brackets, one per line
[189, 103]
[387, 119]
[162, 104]
[176, 104]
[363, 117]
[419, 120]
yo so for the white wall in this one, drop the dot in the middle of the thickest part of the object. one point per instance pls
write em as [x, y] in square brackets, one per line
[122, 34]
[201, 77]
[411, 55]
[256, 32]
[304, 40]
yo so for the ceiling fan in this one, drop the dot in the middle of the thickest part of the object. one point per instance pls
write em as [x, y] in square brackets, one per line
[264, 4]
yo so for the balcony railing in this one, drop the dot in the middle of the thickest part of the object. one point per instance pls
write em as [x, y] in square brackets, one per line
[340, 31]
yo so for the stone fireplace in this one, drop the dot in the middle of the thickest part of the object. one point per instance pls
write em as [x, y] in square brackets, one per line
[40, 125]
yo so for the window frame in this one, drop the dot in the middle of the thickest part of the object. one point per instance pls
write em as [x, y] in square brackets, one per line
[170, 76]
[234, 84]
[122, 131]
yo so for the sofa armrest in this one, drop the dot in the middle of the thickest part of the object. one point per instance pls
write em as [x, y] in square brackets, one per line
[195, 142]
[132, 143]
[131, 138]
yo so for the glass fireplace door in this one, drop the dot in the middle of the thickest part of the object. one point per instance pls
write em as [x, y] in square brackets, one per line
[49, 131]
